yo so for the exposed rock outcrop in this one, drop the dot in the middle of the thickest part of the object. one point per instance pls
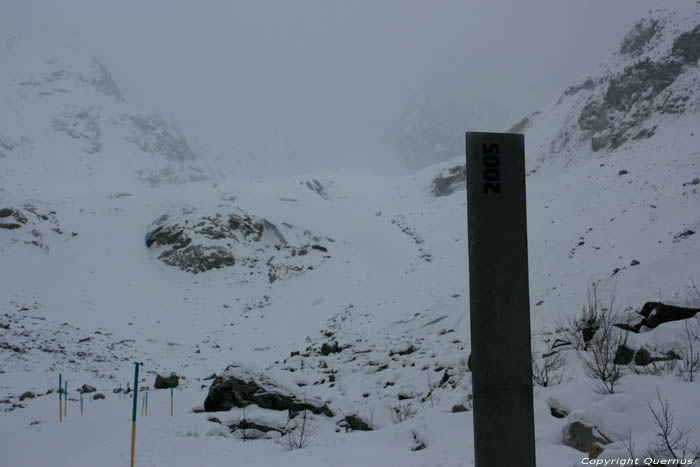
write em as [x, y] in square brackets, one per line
[240, 386]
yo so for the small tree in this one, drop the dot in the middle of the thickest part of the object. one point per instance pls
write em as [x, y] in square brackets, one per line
[599, 358]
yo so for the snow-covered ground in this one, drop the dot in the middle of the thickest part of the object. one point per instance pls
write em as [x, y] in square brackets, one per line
[383, 273]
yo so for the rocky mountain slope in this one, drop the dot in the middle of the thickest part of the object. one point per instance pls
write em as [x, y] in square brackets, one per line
[66, 123]
[369, 328]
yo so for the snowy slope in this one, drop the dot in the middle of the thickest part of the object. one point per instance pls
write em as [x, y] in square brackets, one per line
[390, 288]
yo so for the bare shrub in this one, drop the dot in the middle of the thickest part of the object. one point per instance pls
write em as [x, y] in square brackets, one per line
[580, 328]
[298, 432]
[433, 396]
[549, 370]
[671, 442]
[601, 350]
[658, 367]
[688, 349]
[403, 411]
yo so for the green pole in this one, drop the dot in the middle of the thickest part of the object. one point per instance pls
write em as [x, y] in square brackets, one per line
[133, 414]
[60, 399]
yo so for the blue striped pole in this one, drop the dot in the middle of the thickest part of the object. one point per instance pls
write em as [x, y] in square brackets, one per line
[172, 382]
[65, 400]
[81, 404]
[133, 414]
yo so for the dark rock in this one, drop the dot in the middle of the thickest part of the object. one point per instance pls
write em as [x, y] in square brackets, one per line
[645, 79]
[557, 413]
[354, 423]
[449, 181]
[406, 351]
[523, 124]
[656, 313]
[623, 172]
[117, 390]
[628, 101]
[623, 355]
[684, 234]
[560, 343]
[445, 378]
[249, 429]
[642, 33]
[98, 396]
[316, 186]
[631, 327]
[214, 420]
[588, 85]
[642, 357]
[327, 349]
[320, 248]
[581, 437]
[634, 263]
[588, 331]
[687, 46]
[165, 382]
[198, 258]
[457, 408]
[240, 387]
[87, 388]
[27, 395]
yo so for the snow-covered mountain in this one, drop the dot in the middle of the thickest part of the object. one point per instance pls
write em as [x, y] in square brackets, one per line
[66, 126]
[348, 291]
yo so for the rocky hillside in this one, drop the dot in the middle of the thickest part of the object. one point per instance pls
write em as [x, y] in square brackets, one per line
[66, 122]
[651, 81]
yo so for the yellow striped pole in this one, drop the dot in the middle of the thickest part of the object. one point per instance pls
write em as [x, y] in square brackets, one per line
[133, 414]
[60, 399]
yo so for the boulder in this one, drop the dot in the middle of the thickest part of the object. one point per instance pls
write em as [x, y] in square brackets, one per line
[656, 313]
[27, 395]
[165, 382]
[623, 355]
[449, 181]
[239, 386]
[457, 408]
[327, 349]
[354, 423]
[98, 396]
[87, 388]
[582, 437]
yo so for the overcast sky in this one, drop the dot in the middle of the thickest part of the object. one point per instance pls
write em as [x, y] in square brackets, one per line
[326, 81]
